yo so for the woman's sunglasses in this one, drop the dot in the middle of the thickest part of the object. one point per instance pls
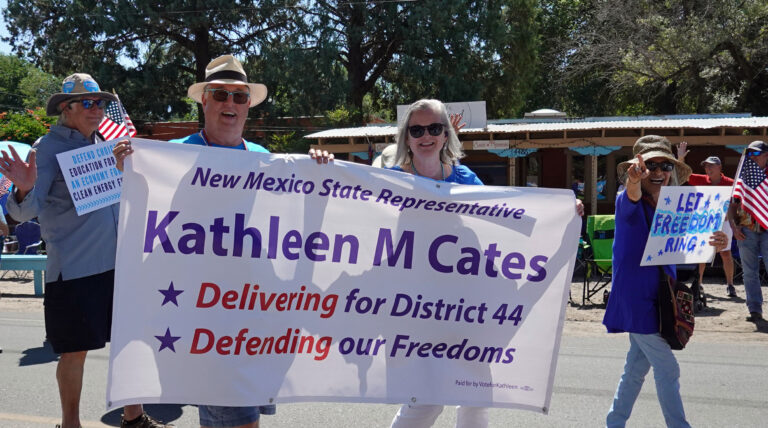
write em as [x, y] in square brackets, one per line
[434, 130]
[665, 166]
[88, 104]
[221, 95]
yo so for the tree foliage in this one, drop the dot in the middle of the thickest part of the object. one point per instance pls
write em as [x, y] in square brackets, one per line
[673, 56]
[149, 51]
[586, 57]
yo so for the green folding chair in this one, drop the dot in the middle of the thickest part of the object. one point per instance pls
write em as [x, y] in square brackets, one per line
[598, 255]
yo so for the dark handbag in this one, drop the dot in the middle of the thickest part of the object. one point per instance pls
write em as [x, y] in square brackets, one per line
[676, 319]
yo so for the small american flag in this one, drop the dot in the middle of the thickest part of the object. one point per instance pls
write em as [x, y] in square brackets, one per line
[116, 122]
[751, 187]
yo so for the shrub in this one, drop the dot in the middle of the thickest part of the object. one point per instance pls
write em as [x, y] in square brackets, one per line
[26, 126]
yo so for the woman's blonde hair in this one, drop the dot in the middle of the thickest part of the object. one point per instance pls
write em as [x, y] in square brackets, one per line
[451, 151]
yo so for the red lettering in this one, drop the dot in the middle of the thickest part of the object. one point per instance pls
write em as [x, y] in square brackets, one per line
[195, 348]
[204, 287]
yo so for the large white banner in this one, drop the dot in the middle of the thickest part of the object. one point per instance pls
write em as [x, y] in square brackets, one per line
[246, 278]
[684, 219]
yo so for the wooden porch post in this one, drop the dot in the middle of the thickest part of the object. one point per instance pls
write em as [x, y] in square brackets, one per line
[593, 183]
[511, 172]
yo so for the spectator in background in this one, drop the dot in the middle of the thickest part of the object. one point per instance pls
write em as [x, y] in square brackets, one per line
[749, 225]
[713, 176]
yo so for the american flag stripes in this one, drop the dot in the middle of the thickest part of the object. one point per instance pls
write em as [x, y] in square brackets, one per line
[116, 122]
[752, 188]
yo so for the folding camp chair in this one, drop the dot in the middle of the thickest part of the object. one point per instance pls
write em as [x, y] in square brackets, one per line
[28, 235]
[598, 254]
[28, 240]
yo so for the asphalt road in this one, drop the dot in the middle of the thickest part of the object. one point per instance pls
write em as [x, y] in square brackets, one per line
[723, 385]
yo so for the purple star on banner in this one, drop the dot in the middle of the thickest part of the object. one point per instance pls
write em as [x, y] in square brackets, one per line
[668, 200]
[167, 340]
[649, 258]
[717, 196]
[706, 204]
[661, 253]
[170, 295]
[703, 243]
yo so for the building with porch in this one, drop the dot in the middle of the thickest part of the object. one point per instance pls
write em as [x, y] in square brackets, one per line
[560, 152]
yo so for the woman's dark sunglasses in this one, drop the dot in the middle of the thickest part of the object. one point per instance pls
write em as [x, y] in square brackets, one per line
[434, 130]
[665, 166]
[88, 104]
[221, 95]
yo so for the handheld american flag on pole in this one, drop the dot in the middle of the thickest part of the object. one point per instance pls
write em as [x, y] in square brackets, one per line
[751, 187]
[116, 122]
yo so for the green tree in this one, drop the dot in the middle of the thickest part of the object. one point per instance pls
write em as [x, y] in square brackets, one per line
[37, 86]
[149, 51]
[465, 50]
[455, 50]
[12, 71]
[674, 56]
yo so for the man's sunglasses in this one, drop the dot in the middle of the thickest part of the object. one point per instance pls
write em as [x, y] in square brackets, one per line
[221, 95]
[665, 166]
[88, 104]
[434, 130]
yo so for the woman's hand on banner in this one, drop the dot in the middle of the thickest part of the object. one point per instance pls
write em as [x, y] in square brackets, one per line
[321, 156]
[579, 208]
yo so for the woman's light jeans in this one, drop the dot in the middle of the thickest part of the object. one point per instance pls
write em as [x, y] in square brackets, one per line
[646, 351]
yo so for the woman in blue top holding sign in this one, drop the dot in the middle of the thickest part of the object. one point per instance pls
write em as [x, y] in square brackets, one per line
[427, 146]
[633, 306]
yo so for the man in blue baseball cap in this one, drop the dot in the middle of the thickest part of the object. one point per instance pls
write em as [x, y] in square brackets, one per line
[749, 221]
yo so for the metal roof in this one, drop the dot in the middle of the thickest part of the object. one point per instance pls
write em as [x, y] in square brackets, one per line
[568, 125]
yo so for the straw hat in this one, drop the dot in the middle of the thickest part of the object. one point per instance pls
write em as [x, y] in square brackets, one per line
[655, 146]
[227, 70]
[76, 85]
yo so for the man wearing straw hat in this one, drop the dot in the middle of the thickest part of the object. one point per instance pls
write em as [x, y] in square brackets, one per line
[81, 249]
[226, 96]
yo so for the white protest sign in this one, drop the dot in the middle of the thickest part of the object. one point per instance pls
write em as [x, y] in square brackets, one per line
[248, 278]
[684, 220]
[91, 176]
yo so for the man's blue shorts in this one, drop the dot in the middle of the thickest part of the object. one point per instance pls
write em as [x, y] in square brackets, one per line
[224, 416]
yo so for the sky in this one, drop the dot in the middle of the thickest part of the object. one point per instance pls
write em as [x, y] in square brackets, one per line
[5, 48]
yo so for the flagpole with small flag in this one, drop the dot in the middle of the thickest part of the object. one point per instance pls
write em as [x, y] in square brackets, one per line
[116, 122]
[751, 187]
